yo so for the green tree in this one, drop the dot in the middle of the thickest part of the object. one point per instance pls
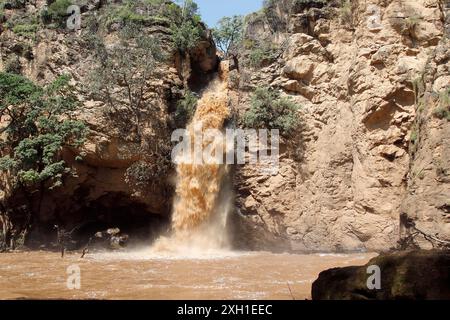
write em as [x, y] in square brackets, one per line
[38, 126]
[189, 9]
[228, 34]
[271, 111]
[122, 79]
[186, 29]
[122, 71]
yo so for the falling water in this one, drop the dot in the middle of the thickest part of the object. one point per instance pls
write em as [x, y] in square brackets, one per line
[203, 197]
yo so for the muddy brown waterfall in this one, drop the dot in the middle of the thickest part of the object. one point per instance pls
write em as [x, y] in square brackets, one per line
[203, 199]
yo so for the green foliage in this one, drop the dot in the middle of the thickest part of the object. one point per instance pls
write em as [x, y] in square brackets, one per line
[444, 98]
[346, 13]
[56, 12]
[25, 25]
[12, 65]
[442, 113]
[189, 10]
[185, 36]
[14, 4]
[186, 26]
[26, 30]
[412, 22]
[125, 14]
[268, 3]
[39, 127]
[2, 12]
[414, 137]
[7, 163]
[261, 54]
[184, 22]
[186, 109]
[144, 173]
[139, 174]
[121, 78]
[443, 110]
[16, 90]
[59, 8]
[127, 65]
[271, 111]
[228, 34]
[141, 12]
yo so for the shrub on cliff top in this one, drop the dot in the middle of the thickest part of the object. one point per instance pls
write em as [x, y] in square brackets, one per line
[56, 12]
[185, 36]
[184, 22]
[271, 111]
[186, 26]
[140, 12]
[228, 34]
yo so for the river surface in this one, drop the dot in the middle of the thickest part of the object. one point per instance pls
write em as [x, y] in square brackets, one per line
[144, 275]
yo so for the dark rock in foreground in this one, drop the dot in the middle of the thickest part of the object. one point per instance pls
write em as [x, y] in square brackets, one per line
[420, 274]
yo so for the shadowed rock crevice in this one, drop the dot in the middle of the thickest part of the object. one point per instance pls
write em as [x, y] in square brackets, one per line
[113, 210]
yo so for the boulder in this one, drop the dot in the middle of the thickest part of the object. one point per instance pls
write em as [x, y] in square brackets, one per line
[412, 275]
[299, 68]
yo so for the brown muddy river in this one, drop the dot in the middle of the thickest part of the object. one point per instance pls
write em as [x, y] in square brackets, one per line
[145, 275]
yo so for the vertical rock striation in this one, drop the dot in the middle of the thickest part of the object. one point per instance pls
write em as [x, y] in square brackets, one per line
[353, 68]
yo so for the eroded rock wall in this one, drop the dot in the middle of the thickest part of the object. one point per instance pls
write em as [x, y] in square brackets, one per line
[118, 139]
[368, 77]
[353, 72]
[427, 199]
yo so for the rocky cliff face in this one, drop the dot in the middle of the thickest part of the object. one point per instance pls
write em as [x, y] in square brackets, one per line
[428, 190]
[372, 78]
[119, 143]
[369, 147]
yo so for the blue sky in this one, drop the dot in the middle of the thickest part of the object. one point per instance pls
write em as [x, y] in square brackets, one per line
[213, 10]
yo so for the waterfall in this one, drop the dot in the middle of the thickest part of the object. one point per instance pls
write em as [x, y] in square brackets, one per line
[203, 196]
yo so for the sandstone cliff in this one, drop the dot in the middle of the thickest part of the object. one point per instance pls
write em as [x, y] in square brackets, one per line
[119, 180]
[365, 73]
